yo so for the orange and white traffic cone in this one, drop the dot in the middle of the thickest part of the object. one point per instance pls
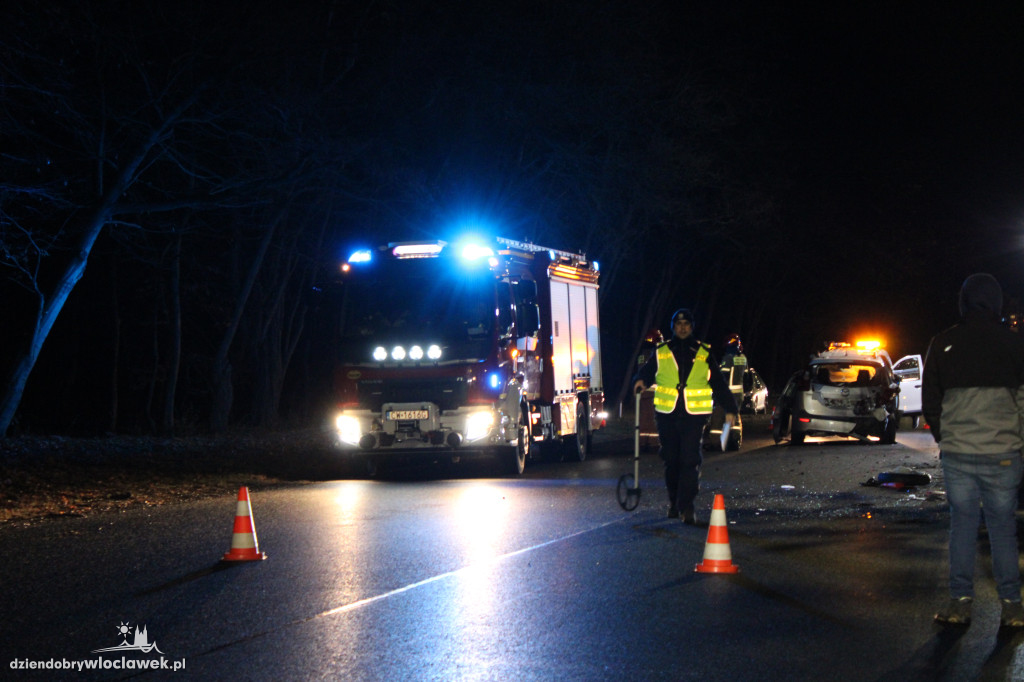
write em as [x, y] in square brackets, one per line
[717, 554]
[243, 540]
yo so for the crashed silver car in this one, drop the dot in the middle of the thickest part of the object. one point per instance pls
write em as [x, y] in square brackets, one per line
[843, 392]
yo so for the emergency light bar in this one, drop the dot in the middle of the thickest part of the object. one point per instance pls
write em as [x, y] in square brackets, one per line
[416, 250]
[535, 248]
[863, 346]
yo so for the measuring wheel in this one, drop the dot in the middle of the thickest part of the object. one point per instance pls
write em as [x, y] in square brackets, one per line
[628, 492]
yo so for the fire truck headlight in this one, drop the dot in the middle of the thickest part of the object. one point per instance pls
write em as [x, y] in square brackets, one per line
[380, 354]
[415, 353]
[478, 425]
[434, 352]
[398, 353]
[348, 429]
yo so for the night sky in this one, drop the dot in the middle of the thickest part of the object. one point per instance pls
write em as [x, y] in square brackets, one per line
[906, 125]
[818, 171]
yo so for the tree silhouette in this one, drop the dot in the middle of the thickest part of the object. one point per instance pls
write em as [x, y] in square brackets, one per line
[222, 160]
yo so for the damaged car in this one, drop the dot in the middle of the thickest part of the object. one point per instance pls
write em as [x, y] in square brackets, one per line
[844, 391]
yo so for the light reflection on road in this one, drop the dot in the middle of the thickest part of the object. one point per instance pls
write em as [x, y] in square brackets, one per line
[349, 502]
[481, 519]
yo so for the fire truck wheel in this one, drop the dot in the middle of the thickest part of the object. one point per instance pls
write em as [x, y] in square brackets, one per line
[517, 455]
[578, 445]
[551, 451]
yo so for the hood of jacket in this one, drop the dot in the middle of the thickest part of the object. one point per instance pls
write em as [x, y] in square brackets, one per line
[981, 291]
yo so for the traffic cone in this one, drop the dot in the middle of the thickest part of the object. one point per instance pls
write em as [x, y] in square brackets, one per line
[243, 540]
[717, 554]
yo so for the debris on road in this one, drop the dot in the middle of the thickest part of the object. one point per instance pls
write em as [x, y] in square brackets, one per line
[901, 478]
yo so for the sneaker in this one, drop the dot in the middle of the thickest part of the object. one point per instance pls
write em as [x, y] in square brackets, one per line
[957, 611]
[1013, 614]
[689, 517]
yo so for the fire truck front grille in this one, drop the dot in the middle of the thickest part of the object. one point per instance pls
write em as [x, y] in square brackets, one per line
[447, 393]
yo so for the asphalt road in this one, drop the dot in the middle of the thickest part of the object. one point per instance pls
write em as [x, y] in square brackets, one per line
[541, 577]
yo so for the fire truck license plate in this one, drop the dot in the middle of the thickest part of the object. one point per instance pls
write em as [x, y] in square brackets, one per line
[396, 415]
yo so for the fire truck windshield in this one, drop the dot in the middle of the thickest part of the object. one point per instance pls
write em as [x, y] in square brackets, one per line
[418, 303]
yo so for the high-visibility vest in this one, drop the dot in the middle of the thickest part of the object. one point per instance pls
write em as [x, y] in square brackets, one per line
[696, 394]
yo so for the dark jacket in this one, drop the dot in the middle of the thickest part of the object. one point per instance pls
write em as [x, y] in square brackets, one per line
[684, 350]
[973, 386]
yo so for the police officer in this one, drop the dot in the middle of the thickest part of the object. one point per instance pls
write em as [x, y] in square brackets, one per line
[685, 392]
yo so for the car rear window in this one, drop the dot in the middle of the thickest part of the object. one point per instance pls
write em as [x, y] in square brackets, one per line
[845, 374]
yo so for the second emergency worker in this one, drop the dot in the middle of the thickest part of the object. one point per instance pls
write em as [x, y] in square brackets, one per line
[685, 392]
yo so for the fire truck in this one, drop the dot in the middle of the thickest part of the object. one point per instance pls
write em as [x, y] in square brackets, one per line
[446, 351]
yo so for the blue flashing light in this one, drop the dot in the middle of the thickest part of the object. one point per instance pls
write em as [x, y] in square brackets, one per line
[476, 252]
[494, 380]
[361, 256]
[597, 266]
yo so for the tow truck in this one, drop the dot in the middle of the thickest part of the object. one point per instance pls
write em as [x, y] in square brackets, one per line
[451, 350]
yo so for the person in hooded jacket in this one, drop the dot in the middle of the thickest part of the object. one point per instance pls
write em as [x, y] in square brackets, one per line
[687, 386]
[973, 402]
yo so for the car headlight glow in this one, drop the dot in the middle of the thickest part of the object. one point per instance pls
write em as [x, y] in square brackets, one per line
[478, 425]
[416, 353]
[398, 353]
[380, 354]
[434, 352]
[348, 429]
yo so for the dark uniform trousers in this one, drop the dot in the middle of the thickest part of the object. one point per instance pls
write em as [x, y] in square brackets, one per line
[682, 439]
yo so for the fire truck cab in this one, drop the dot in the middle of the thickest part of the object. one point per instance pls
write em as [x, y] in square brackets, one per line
[450, 350]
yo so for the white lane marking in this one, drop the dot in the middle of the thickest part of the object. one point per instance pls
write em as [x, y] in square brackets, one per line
[433, 579]
[370, 600]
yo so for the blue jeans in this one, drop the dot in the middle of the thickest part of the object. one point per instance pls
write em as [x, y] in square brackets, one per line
[977, 484]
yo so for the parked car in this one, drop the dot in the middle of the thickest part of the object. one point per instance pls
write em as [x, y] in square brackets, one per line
[844, 391]
[755, 393]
